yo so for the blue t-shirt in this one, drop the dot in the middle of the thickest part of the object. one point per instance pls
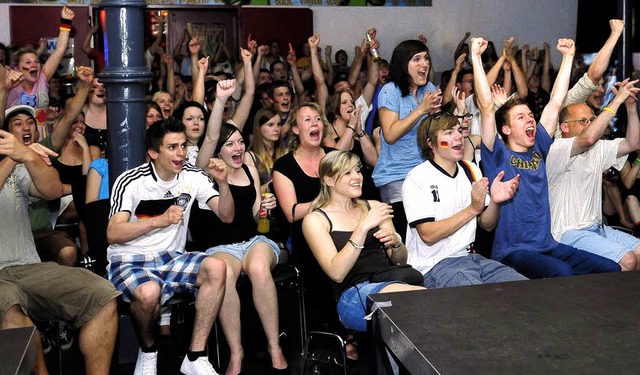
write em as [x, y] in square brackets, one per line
[525, 220]
[102, 167]
[396, 160]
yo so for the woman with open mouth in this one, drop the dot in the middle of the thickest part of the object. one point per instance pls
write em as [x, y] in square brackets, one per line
[220, 111]
[403, 103]
[295, 175]
[207, 144]
[348, 135]
[471, 141]
[296, 184]
[165, 101]
[34, 88]
[72, 166]
[240, 246]
[95, 110]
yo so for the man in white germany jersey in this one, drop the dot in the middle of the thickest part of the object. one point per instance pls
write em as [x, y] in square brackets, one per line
[147, 229]
[442, 197]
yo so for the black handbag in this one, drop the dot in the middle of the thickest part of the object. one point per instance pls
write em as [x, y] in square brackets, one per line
[404, 273]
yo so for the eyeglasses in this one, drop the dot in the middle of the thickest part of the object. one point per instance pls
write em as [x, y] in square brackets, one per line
[583, 121]
[465, 116]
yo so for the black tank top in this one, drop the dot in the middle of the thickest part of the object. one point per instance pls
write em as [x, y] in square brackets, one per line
[243, 226]
[372, 258]
[96, 137]
[72, 175]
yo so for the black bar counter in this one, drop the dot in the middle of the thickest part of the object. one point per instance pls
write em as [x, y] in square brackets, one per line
[569, 325]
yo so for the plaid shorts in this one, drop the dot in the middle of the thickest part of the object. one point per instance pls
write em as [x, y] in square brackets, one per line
[173, 271]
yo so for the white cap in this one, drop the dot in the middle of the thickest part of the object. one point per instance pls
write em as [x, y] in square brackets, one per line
[21, 107]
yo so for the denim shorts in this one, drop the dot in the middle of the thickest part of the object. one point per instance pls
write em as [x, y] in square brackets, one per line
[352, 306]
[240, 249]
[601, 240]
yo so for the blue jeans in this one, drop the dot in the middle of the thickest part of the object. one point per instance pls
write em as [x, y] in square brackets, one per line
[352, 305]
[470, 269]
[562, 260]
[602, 240]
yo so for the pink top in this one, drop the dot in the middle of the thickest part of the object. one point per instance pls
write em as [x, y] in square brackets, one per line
[38, 98]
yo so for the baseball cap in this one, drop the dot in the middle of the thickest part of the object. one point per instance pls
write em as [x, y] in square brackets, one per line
[17, 109]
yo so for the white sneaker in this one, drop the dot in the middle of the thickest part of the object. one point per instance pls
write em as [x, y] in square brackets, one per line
[146, 364]
[200, 366]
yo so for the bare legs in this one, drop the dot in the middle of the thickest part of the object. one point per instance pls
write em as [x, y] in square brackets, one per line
[68, 256]
[257, 264]
[629, 261]
[230, 313]
[145, 311]
[211, 283]
[632, 209]
[636, 252]
[98, 339]
[612, 203]
[398, 287]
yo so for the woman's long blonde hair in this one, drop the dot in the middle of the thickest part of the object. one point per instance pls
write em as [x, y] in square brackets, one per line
[259, 147]
[334, 165]
[294, 139]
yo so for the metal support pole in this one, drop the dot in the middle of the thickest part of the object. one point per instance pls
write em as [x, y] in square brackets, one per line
[625, 56]
[125, 77]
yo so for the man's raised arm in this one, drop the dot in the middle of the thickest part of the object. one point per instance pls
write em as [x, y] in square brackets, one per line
[483, 93]
[632, 138]
[549, 117]
[595, 130]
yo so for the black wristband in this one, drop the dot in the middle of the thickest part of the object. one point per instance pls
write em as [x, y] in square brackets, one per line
[65, 21]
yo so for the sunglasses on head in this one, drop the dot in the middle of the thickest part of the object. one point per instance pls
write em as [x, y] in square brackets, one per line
[435, 116]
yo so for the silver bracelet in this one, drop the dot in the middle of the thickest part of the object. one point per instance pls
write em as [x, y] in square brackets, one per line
[397, 246]
[355, 245]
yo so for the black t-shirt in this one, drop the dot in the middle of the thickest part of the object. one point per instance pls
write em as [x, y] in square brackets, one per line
[307, 187]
